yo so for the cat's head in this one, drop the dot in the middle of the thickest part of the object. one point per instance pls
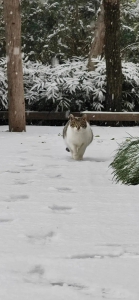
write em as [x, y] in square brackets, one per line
[78, 122]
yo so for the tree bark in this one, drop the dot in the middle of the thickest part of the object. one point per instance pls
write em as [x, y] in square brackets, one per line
[97, 46]
[112, 55]
[14, 65]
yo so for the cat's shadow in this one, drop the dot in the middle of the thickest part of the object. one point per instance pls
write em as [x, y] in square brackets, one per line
[96, 159]
[91, 159]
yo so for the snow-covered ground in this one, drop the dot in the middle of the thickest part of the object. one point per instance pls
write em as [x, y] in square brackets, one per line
[67, 232]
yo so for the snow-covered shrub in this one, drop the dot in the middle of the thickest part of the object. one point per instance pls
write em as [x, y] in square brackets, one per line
[130, 94]
[69, 86]
[64, 87]
[3, 85]
[126, 162]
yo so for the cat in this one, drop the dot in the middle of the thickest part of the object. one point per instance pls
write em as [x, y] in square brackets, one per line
[77, 134]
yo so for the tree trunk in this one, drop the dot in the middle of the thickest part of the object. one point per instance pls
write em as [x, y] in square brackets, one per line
[97, 46]
[14, 65]
[112, 55]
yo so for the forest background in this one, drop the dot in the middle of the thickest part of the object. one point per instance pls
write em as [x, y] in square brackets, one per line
[56, 42]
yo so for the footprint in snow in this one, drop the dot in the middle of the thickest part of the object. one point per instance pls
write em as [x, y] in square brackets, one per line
[46, 155]
[25, 165]
[112, 255]
[49, 236]
[29, 170]
[60, 208]
[115, 293]
[55, 176]
[24, 151]
[72, 285]
[35, 275]
[14, 198]
[38, 269]
[64, 189]
[22, 158]
[4, 220]
[12, 172]
[61, 189]
[17, 182]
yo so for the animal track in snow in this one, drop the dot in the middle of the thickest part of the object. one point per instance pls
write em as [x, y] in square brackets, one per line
[65, 190]
[41, 237]
[61, 189]
[38, 269]
[25, 165]
[29, 170]
[24, 151]
[12, 172]
[121, 254]
[108, 293]
[74, 285]
[17, 182]
[98, 256]
[35, 275]
[60, 208]
[4, 220]
[55, 176]
[20, 182]
[22, 158]
[14, 198]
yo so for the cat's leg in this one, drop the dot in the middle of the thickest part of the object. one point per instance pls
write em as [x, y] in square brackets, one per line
[81, 151]
[74, 152]
[78, 152]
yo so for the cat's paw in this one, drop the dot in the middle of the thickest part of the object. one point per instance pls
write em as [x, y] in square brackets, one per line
[77, 157]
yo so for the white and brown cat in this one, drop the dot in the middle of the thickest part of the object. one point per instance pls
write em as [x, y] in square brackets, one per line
[77, 134]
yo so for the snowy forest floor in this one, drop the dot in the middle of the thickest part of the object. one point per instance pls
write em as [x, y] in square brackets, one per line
[67, 231]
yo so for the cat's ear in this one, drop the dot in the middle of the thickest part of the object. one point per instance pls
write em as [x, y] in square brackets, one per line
[84, 117]
[71, 117]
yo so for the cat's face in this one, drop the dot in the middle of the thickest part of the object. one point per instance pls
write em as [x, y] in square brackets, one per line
[78, 122]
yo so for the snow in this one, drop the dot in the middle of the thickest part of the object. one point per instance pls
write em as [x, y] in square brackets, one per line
[16, 51]
[67, 230]
[111, 113]
[7, 58]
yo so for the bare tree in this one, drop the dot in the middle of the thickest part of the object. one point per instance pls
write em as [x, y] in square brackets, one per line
[14, 65]
[112, 55]
[97, 46]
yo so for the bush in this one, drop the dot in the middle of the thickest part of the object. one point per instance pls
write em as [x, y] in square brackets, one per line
[3, 85]
[126, 162]
[130, 91]
[69, 86]
[64, 87]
